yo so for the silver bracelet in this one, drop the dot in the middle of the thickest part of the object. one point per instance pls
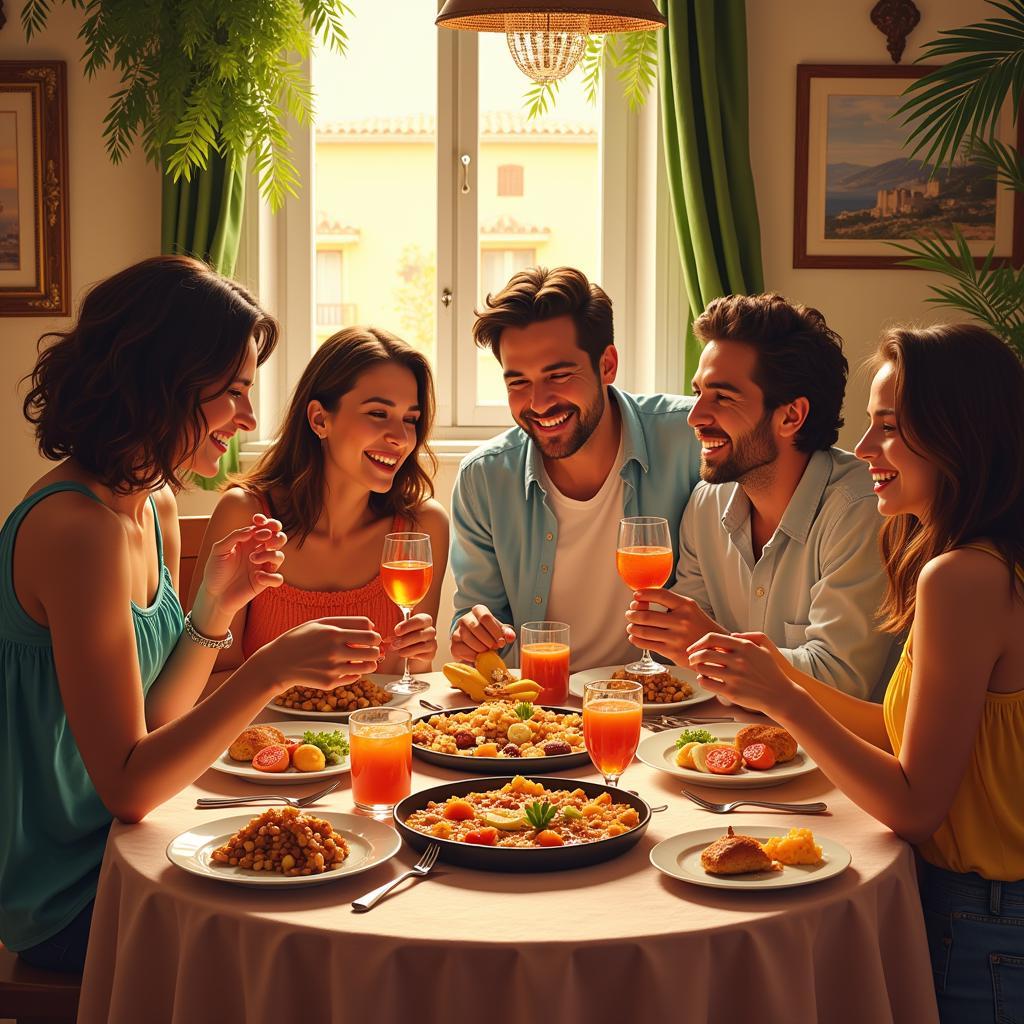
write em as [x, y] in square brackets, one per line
[206, 641]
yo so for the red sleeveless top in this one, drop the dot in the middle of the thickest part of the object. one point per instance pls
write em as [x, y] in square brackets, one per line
[279, 609]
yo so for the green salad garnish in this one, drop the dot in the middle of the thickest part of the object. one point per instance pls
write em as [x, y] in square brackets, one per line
[333, 744]
[695, 736]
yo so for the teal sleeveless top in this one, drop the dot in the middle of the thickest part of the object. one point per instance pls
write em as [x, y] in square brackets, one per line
[53, 825]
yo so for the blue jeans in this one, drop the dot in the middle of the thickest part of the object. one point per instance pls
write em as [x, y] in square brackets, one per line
[64, 951]
[976, 940]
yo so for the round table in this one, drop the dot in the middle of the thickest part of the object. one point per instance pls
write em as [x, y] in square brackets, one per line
[616, 941]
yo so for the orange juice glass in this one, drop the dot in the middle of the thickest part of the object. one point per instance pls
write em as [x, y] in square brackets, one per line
[644, 565]
[380, 751]
[612, 714]
[544, 658]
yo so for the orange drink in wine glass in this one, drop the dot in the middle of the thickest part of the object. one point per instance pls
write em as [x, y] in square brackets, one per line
[380, 751]
[544, 658]
[643, 558]
[406, 571]
[612, 714]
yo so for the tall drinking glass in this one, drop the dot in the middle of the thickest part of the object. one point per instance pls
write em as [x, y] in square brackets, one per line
[544, 658]
[612, 714]
[644, 559]
[406, 570]
[380, 752]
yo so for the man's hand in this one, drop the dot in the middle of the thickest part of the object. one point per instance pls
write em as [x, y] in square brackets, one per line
[668, 633]
[478, 631]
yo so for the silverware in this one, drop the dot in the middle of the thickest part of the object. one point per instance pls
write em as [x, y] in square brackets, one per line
[654, 810]
[421, 867]
[235, 801]
[708, 805]
[430, 707]
[675, 720]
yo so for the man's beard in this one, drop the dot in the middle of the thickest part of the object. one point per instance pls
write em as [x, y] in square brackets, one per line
[751, 453]
[584, 425]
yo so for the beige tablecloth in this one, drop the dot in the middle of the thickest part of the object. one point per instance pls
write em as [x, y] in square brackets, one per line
[616, 941]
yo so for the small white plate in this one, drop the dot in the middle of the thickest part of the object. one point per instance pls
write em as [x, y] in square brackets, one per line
[679, 857]
[659, 751]
[342, 716]
[577, 679]
[292, 777]
[370, 843]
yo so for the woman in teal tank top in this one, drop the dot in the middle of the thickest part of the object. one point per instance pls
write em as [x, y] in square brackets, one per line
[101, 671]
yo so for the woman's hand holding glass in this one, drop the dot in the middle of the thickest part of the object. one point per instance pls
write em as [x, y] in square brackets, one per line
[414, 638]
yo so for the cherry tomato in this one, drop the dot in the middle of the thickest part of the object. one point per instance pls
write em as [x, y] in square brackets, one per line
[722, 761]
[482, 837]
[759, 756]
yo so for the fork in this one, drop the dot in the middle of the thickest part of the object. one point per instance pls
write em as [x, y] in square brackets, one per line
[430, 707]
[815, 808]
[420, 868]
[234, 801]
[673, 720]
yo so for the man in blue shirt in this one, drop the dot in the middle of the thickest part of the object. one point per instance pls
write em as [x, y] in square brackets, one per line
[535, 511]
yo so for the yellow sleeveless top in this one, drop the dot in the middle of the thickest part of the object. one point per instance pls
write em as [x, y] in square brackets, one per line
[984, 829]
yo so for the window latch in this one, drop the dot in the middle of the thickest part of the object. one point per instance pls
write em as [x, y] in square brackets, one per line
[446, 297]
[465, 160]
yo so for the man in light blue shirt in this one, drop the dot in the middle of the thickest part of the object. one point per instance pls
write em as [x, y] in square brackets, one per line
[781, 536]
[535, 511]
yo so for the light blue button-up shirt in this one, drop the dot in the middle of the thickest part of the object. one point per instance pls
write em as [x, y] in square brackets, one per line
[818, 583]
[505, 534]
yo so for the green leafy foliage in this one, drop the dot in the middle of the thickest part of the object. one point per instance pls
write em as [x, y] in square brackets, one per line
[539, 814]
[333, 744]
[695, 736]
[524, 711]
[634, 55]
[963, 97]
[993, 295]
[202, 76]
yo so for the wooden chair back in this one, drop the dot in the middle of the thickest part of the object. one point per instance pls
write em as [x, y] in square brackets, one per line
[192, 530]
[29, 994]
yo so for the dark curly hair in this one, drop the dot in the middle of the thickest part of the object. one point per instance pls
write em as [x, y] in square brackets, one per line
[798, 356]
[537, 294]
[120, 392]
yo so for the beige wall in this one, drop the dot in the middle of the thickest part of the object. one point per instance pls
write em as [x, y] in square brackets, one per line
[780, 35]
[115, 221]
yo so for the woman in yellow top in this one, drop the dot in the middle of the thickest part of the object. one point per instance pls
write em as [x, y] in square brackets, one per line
[942, 761]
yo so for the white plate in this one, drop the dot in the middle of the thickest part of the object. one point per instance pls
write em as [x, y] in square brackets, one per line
[659, 751]
[679, 857]
[577, 679]
[292, 732]
[342, 716]
[370, 843]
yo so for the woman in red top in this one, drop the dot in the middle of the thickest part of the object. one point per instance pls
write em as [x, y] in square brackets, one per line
[346, 470]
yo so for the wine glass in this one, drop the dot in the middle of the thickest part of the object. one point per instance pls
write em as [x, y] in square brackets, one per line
[406, 570]
[612, 713]
[644, 559]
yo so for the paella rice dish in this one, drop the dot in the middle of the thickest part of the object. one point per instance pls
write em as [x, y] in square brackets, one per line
[524, 814]
[502, 729]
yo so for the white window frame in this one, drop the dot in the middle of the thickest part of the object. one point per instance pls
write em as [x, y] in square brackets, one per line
[640, 267]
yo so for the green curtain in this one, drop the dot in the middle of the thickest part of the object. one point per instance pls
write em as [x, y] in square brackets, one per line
[203, 218]
[702, 56]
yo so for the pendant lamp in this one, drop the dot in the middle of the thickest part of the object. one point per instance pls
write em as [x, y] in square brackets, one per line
[547, 38]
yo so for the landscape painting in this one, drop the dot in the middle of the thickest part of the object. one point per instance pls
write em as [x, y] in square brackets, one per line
[9, 213]
[859, 188]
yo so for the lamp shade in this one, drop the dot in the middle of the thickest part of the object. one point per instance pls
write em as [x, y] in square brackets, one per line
[601, 15]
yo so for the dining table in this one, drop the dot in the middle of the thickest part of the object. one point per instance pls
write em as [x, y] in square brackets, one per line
[615, 941]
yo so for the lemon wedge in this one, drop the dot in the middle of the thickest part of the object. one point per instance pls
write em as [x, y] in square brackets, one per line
[507, 821]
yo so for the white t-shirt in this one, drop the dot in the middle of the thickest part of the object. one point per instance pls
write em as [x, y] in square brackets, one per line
[586, 590]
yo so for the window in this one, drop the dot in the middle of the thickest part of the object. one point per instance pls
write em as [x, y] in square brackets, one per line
[510, 180]
[401, 184]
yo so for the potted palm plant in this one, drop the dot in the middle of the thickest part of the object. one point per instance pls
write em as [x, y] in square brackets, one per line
[956, 109]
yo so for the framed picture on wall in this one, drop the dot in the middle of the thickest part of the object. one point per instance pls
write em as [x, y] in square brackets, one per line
[33, 188]
[858, 189]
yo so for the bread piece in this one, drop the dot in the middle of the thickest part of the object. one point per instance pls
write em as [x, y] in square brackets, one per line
[782, 743]
[252, 740]
[736, 855]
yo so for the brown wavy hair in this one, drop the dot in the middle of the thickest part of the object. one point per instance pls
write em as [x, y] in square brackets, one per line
[537, 294]
[120, 392]
[798, 356]
[290, 473]
[960, 405]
